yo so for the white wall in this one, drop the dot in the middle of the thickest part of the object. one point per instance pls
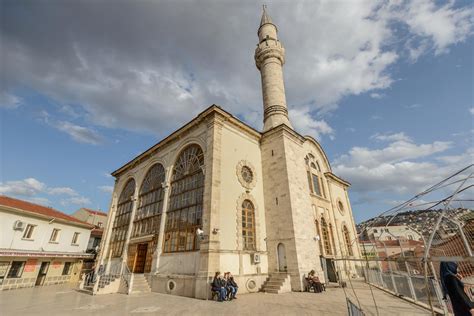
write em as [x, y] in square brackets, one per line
[13, 239]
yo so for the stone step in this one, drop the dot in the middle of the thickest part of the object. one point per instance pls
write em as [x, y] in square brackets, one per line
[273, 282]
[272, 287]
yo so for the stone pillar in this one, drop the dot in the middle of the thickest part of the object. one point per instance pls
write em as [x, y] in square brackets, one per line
[130, 225]
[159, 245]
[209, 260]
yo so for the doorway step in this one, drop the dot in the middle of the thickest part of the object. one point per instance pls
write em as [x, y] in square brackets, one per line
[140, 284]
[277, 283]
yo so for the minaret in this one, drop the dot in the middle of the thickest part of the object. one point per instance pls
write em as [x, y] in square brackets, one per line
[269, 58]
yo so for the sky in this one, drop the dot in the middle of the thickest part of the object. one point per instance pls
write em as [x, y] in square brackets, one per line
[385, 86]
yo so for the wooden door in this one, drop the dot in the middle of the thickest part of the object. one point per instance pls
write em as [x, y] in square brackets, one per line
[140, 258]
[281, 258]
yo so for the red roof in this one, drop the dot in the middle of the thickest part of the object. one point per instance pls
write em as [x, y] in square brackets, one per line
[38, 209]
[94, 212]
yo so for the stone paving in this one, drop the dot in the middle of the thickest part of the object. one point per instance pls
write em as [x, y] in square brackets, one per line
[65, 300]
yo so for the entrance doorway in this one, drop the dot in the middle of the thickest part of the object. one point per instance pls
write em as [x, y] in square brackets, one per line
[140, 258]
[42, 273]
[281, 258]
[330, 270]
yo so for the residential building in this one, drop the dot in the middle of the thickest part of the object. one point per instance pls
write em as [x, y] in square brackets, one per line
[39, 245]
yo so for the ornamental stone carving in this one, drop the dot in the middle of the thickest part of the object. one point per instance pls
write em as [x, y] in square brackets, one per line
[246, 174]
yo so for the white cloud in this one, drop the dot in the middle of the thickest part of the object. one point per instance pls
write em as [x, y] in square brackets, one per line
[413, 106]
[9, 101]
[443, 25]
[76, 200]
[396, 168]
[62, 191]
[391, 137]
[471, 110]
[26, 187]
[376, 95]
[155, 80]
[106, 188]
[79, 133]
[33, 190]
[304, 123]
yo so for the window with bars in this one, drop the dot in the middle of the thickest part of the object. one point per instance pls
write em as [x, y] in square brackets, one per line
[150, 203]
[318, 232]
[326, 240]
[347, 239]
[16, 270]
[316, 186]
[184, 213]
[248, 225]
[122, 219]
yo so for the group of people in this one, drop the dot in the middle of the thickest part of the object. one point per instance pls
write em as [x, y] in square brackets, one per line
[314, 282]
[225, 286]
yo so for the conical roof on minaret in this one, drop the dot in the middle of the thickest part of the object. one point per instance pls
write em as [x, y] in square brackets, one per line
[266, 19]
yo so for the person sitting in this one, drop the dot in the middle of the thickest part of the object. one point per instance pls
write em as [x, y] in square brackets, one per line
[314, 282]
[218, 286]
[227, 285]
[232, 285]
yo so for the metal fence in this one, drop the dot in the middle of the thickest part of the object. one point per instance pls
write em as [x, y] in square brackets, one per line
[401, 249]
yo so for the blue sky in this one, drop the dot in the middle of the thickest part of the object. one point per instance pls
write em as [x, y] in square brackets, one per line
[387, 88]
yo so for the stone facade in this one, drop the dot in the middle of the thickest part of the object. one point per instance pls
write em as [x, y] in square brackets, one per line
[260, 214]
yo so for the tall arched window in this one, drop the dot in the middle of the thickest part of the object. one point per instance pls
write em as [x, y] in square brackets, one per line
[333, 243]
[318, 233]
[248, 225]
[347, 239]
[315, 176]
[150, 203]
[122, 218]
[184, 213]
[326, 240]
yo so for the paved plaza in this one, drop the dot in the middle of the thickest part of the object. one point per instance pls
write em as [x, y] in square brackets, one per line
[65, 300]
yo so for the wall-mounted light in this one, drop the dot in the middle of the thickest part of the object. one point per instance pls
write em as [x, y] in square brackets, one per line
[215, 231]
[317, 238]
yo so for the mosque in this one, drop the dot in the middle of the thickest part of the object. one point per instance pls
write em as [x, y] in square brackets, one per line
[218, 195]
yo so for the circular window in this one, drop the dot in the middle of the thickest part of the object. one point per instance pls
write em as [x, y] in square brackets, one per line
[340, 206]
[171, 285]
[251, 285]
[247, 174]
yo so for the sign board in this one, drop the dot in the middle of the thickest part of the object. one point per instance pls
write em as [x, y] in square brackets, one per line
[30, 265]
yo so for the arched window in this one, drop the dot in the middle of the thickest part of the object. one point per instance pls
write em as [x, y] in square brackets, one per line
[248, 225]
[122, 218]
[315, 177]
[331, 234]
[326, 241]
[184, 213]
[347, 239]
[150, 203]
[318, 233]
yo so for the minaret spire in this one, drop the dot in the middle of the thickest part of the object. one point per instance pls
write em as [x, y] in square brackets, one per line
[269, 59]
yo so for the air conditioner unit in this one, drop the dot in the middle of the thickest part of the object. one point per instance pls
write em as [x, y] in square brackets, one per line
[256, 258]
[19, 225]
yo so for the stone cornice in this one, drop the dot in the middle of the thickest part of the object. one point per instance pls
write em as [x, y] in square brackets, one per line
[215, 110]
[332, 176]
